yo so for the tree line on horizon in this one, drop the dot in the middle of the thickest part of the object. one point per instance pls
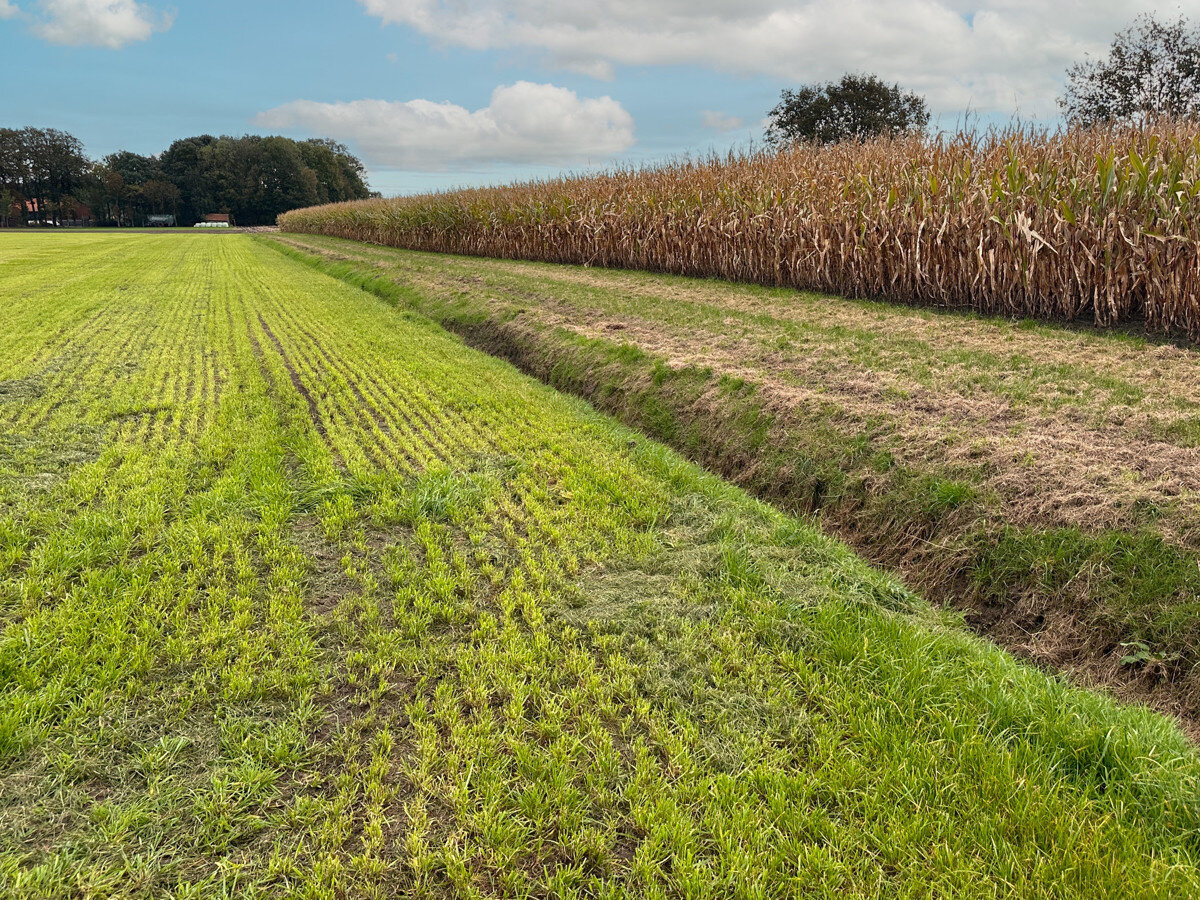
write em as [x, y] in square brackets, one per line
[46, 177]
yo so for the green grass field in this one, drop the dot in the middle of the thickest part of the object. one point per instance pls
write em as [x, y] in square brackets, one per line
[302, 597]
[1045, 480]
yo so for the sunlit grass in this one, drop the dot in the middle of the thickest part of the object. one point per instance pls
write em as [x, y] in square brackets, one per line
[803, 425]
[302, 597]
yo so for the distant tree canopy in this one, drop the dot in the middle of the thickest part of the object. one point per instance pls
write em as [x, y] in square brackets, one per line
[855, 108]
[45, 176]
[40, 168]
[1152, 69]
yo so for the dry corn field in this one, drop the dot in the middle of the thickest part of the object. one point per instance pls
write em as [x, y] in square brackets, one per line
[1095, 223]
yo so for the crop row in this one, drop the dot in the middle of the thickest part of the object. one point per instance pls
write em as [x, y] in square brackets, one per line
[1099, 223]
[336, 607]
[841, 408]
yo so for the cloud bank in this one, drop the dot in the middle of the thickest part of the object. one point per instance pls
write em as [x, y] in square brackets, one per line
[523, 123]
[97, 23]
[996, 56]
[719, 121]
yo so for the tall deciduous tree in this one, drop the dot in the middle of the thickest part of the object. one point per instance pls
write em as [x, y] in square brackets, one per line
[14, 170]
[41, 167]
[1152, 69]
[855, 108]
[183, 163]
[135, 168]
[162, 196]
[7, 201]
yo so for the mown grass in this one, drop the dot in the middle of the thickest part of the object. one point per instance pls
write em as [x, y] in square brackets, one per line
[334, 606]
[781, 392]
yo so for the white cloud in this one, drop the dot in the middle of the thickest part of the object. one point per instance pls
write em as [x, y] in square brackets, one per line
[989, 55]
[99, 23]
[524, 123]
[719, 121]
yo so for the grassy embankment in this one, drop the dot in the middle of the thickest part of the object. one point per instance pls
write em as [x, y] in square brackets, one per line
[1042, 479]
[301, 596]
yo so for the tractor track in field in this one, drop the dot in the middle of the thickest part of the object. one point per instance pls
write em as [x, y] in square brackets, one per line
[314, 411]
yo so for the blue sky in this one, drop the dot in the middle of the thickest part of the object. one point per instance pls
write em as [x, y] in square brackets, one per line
[434, 93]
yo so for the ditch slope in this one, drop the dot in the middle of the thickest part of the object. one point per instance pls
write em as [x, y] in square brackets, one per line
[1040, 479]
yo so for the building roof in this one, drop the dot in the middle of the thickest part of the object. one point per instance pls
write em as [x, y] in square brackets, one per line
[79, 210]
